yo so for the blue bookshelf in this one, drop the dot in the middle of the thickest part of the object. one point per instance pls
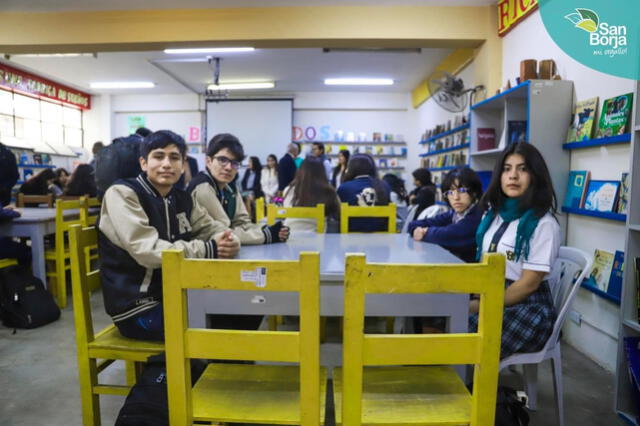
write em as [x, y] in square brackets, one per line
[441, 151]
[599, 292]
[611, 140]
[602, 215]
[442, 169]
[37, 166]
[444, 134]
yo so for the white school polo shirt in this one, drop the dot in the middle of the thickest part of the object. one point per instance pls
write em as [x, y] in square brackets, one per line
[543, 247]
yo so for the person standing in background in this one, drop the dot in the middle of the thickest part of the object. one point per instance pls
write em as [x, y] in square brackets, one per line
[317, 149]
[287, 167]
[340, 169]
[299, 158]
[95, 149]
[269, 178]
[9, 174]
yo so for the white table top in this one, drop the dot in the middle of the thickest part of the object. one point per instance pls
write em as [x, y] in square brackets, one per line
[40, 214]
[387, 248]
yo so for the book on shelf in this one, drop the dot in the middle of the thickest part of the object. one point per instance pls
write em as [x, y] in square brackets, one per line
[601, 270]
[581, 127]
[37, 158]
[393, 162]
[617, 271]
[577, 188]
[486, 138]
[516, 131]
[615, 115]
[382, 163]
[623, 197]
[602, 195]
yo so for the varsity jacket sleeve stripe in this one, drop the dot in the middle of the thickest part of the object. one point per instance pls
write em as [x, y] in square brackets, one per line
[125, 224]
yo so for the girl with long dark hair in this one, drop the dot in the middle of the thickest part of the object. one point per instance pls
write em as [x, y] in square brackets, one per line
[308, 189]
[251, 180]
[81, 182]
[59, 183]
[362, 187]
[38, 184]
[339, 171]
[520, 223]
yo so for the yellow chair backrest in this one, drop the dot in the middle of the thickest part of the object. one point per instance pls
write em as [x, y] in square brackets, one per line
[481, 349]
[182, 342]
[259, 209]
[83, 280]
[6, 262]
[274, 212]
[63, 224]
[347, 211]
[23, 199]
[86, 216]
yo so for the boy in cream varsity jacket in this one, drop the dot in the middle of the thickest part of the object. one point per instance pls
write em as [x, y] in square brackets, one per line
[214, 189]
[141, 217]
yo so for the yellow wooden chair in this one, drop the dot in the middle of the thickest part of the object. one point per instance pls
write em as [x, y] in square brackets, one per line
[241, 393]
[347, 211]
[108, 345]
[88, 217]
[22, 200]
[58, 256]
[6, 262]
[274, 212]
[259, 209]
[412, 382]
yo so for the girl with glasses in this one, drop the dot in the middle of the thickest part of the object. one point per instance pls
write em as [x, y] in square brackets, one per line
[454, 230]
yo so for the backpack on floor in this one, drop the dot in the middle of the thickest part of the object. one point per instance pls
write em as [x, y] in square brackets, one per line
[510, 409]
[119, 160]
[24, 302]
[147, 403]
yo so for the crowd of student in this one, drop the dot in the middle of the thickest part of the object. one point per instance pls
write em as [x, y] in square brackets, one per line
[207, 217]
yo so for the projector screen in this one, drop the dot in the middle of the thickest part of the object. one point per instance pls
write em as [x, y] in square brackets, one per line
[263, 126]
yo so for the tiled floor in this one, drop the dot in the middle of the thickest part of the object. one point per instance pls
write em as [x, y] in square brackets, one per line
[39, 383]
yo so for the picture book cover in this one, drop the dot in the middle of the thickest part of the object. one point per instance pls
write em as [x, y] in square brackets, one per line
[486, 138]
[382, 163]
[615, 281]
[516, 131]
[601, 269]
[602, 195]
[615, 115]
[581, 127]
[623, 197]
[576, 188]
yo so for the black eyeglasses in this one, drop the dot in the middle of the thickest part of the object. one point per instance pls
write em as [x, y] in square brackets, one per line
[225, 161]
[461, 190]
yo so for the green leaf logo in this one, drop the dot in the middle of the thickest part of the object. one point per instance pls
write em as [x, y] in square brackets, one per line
[585, 19]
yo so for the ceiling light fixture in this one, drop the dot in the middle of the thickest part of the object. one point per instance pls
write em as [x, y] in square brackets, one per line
[53, 55]
[242, 86]
[358, 81]
[123, 85]
[209, 50]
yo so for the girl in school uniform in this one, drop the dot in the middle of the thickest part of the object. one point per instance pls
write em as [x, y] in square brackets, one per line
[362, 187]
[520, 223]
[455, 230]
[309, 189]
[269, 178]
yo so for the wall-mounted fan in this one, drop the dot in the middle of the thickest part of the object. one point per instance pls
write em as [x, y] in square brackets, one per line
[448, 91]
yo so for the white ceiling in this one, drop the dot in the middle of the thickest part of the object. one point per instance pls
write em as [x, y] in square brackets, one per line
[87, 5]
[293, 70]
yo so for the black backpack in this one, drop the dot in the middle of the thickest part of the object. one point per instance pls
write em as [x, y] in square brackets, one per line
[24, 302]
[510, 409]
[119, 160]
[147, 403]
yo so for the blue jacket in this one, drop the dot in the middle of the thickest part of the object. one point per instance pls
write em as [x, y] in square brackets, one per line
[360, 192]
[459, 238]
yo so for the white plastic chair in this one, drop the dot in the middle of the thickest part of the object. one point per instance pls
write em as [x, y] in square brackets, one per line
[428, 213]
[570, 268]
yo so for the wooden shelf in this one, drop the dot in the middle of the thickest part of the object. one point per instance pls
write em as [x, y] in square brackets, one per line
[354, 143]
[442, 151]
[626, 138]
[445, 134]
[602, 215]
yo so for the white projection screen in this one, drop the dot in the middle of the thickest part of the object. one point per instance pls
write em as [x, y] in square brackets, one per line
[263, 126]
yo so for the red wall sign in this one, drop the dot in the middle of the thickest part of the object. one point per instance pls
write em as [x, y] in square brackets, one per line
[512, 12]
[21, 81]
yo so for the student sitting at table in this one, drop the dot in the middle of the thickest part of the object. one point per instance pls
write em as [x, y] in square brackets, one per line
[520, 223]
[308, 189]
[140, 218]
[57, 186]
[214, 189]
[82, 182]
[455, 230]
[38, 184]
[361, 187]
